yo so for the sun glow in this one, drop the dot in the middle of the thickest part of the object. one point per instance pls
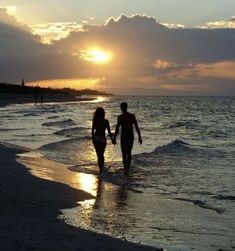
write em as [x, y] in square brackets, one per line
[82, 83]
[96, 56]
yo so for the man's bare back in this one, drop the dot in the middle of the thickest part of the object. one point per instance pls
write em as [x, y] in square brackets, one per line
[126, 121]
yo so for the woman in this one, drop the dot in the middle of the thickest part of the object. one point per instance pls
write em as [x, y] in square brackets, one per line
[99, 126]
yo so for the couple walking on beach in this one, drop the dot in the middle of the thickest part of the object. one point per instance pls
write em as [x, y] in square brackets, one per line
[126, 121]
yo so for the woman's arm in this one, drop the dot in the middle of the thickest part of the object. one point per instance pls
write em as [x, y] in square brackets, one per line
[109, 131]
[93, 130]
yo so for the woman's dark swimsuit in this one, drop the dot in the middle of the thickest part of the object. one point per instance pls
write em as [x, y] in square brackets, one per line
[99, 139]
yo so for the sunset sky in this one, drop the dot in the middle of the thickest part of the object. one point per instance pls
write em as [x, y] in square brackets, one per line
[170, 47]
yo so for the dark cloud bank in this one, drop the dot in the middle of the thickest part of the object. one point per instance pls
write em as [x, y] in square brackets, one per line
[148, 58]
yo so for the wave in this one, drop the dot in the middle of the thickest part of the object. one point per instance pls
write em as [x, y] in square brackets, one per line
[185, 231]
[189, 124]
[32, 114]
[33, 135]
[203, 204]
[84, 169]
[53, 117]
[111, 175]
[11, 129]
[61, 123]
[225, 197]
[66, 142]
[218, 133]
[175, 145]
[182, 147]
[73, 131]
[174, 151]
[6, 116]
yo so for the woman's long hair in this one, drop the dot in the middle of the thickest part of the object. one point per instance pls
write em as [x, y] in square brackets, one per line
[99, 114]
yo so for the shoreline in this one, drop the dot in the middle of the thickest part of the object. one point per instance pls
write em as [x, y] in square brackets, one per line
[8, 99]
[30, 207]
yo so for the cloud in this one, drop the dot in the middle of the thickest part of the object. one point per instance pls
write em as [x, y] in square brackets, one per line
[9, 20]
[147, 56]
[174, 26]
[221, 24]
[50, 32]
[23, 55]
[134, 22]
[11, 10]
[161, 64]
[223, 70]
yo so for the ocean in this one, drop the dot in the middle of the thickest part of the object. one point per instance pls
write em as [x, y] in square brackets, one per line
[181, 193]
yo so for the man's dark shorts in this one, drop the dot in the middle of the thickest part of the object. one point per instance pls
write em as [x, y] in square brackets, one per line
[127, 140]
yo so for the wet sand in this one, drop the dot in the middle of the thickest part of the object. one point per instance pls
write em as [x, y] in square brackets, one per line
[29, 212]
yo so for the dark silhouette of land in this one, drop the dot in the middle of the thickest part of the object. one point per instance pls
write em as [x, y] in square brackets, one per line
[23, 89]
[12, 93]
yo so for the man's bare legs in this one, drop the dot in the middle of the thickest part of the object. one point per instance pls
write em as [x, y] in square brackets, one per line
[126, 160]
[126, 147]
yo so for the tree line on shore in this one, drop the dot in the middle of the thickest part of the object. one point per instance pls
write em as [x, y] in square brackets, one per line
[36, 90]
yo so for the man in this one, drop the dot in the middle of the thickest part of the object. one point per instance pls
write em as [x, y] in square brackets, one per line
[126, 120]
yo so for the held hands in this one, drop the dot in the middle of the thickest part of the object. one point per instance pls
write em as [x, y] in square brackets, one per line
[114, 142]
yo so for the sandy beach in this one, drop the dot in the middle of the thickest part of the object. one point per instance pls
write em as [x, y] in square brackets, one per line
[30, 207]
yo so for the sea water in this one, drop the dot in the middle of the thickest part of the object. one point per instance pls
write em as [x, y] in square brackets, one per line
[181, 191]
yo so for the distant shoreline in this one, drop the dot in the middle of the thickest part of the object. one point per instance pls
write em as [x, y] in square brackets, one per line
[8, 99]
[20, 94]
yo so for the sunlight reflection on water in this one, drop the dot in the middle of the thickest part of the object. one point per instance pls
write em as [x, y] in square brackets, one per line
[99, 99]
[87, 182]
[102, 212]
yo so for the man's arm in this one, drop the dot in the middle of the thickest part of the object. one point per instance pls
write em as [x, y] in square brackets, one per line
[138, 131]
[116, 131]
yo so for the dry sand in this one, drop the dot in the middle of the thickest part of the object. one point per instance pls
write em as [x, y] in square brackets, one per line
[29, 209]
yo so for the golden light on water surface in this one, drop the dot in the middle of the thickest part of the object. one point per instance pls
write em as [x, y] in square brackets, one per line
[99, 99]
[87, 182]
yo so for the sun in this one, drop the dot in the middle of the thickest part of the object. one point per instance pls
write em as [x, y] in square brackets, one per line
[96, 56]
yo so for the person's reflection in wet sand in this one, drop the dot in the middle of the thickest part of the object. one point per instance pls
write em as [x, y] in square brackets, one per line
[100, 191]
[122, 197]
[117, 195]
[109, 204]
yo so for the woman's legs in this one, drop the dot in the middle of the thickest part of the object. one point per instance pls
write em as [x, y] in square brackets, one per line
[100, 148]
